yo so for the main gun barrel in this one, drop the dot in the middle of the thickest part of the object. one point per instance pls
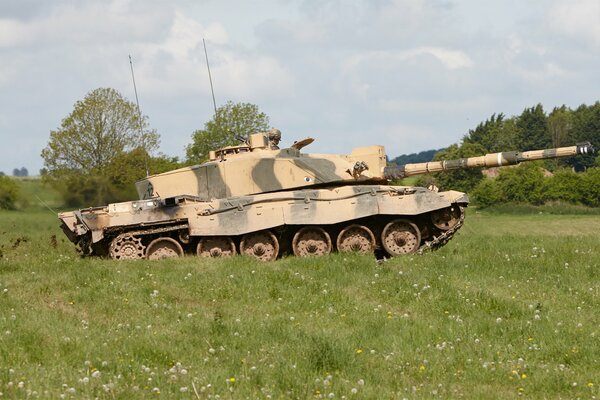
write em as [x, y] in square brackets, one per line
[486, 161]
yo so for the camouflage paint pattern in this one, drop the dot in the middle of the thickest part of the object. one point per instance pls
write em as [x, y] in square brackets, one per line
[256, 187]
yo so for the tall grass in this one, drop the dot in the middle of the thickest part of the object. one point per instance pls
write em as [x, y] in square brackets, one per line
[507, 308]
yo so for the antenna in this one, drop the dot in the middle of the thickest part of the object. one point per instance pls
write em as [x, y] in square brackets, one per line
[139, 112]
[210, 78]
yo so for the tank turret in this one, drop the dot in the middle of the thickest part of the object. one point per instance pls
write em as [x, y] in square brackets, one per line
[257, 167]
[259, 200]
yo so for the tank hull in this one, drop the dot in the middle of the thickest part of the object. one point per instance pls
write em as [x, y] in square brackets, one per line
[303, 222]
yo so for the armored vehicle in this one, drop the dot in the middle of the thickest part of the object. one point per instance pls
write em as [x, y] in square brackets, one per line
[259, 200]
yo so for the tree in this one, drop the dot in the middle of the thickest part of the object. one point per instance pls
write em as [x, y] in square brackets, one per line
[80, 154]
[560, 125]
[9, 191]
[20, 172]
[101, 126]
[495, 134]
[231, 121]
[586, 127]
[532, 129]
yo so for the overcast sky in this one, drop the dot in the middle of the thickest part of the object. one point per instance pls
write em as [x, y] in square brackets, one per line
[409, 74]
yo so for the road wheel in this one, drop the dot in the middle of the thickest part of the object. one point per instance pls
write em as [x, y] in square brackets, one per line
[311, 241]
[164, 247]
[446, 218]
[400, 237]
[126, 247]
[262, 245]
[357, 238]
[216, 246]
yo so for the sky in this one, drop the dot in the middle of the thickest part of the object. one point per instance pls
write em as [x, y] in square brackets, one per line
[411, 75]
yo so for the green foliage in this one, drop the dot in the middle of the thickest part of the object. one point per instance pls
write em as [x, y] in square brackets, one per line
[586, 127]
[34, 195]
[590, 187]
[495, 134]
[117, 183]
[565, 185]
[560, 126]
[101, 126]
[487, 193]
[532, 130]
[526, 184]
[462, 179]
[231, 121]
[522, 183]
[9, 193]
[99, 149]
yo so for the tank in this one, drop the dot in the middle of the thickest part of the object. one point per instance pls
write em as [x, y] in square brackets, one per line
[259, 200]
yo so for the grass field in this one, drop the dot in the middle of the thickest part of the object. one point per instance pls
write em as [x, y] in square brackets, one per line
[508, 308]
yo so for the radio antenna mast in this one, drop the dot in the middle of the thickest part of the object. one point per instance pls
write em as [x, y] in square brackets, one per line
[139, 113]
[210, 78]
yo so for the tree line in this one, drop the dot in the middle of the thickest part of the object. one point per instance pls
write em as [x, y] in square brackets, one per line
[20, 172]
[105, 145]
[573, 180]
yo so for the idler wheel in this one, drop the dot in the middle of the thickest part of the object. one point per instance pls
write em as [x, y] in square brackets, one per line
[216, 246]
[356, 238]
[164, 247]
[262, 245]
[126, 247]
[400, 237]
[311, 241]
[446, 218]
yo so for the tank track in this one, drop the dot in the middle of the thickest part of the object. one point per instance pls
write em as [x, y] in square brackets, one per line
[86, 247]
[151, 231]
[445, 237]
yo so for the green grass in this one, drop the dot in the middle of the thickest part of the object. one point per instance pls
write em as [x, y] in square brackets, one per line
[35, 195]
[507, 308]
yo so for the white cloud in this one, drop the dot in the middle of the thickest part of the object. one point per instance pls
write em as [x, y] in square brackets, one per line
[360, 72]
[541, 75]
[253, 77]
[433, 105]
[11, 32]
[186, 36]
[177, 65]
[409, 74]
[449, 58]
[580, 18]
[84, 24]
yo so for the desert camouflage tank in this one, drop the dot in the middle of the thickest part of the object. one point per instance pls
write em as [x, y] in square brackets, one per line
[259, 200]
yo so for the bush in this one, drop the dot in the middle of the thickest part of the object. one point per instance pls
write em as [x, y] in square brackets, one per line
[92, 191]
[526, 184]
[564, 185]
[590, 187]
[487, 193]
[522, 184]
[9, 192]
